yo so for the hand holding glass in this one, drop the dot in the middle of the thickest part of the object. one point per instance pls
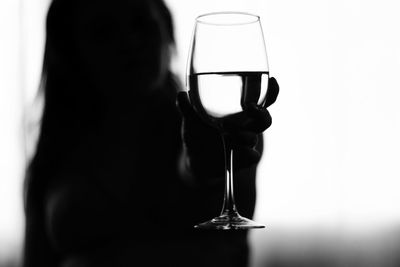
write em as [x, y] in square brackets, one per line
[227, 72]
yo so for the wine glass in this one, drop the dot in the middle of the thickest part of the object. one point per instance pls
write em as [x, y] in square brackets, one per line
[227, 71]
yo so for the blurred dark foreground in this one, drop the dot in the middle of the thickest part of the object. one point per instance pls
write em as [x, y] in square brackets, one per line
[315, 248]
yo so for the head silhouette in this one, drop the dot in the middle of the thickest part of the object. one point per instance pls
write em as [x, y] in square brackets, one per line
[99, 55]
[118, 48]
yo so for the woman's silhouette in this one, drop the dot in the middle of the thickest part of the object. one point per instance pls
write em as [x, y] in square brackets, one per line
[111, 183]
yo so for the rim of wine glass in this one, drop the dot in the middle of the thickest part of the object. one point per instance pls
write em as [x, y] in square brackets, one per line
[255, 18]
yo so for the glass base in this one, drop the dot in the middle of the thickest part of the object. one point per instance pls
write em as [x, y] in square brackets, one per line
[229, 222]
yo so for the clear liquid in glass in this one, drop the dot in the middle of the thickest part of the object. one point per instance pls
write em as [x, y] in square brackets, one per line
[216, 95]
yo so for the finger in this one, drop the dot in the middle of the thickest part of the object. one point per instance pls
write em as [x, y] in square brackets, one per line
[261, 124]
[244, 138]
[261, 119]
[245, 157]
[272, 93]
[254, 119]
[233, 123]
[184, 104]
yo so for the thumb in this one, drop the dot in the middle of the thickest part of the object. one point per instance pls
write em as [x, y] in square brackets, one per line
[272, 93]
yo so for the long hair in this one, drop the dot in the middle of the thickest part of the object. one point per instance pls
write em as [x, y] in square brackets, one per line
[67, 91]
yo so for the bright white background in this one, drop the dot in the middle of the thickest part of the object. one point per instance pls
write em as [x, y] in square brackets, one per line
[331, 163]
[331, 160]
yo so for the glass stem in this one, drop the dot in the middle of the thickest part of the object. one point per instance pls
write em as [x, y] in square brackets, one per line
[229, 207]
